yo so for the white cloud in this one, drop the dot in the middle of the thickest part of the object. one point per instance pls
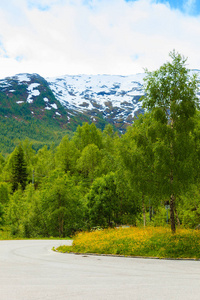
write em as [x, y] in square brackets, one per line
[55, 37]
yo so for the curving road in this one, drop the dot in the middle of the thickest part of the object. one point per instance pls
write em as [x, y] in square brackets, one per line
[29, 270]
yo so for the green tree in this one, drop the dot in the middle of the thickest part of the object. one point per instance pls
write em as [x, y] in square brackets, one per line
[61, 205]
[89, 161]
[33, 220]
[67, 155]
[87, 134]
[103, 201]
[137, 154]
[15, 212]
[171, 99]
[4, 192]
[45, 163]
[108, 152]
[19, 169]
[30, 157]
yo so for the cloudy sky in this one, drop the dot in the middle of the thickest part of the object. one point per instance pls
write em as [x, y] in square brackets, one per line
[57, 37]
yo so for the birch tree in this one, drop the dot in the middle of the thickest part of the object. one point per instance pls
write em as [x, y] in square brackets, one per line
[171, 99]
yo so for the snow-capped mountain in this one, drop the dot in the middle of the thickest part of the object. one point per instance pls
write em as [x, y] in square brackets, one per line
[97, 98]
[113, 97]
[84, 92]
[44, 110]
[74, 99]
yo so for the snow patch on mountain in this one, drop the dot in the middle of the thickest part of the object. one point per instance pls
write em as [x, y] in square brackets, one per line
[32, 92]
[4, 84]
[54, 106]
[22, 78]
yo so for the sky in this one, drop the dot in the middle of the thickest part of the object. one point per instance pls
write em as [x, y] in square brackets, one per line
[117, 37]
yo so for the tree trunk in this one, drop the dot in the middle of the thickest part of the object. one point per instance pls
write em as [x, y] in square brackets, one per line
[172, 219]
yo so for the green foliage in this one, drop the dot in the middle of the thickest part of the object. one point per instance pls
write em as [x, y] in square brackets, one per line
[189, 207]
[98, 179]
[137, 154]
[16, 212]
[19, 169]
[87, 134]
[67, 155]
[39, 132]
[61, 206]
[103, 201]
[161, 217]
[69, 188]
[1, 214]
[45, 162]
[4, 192]
[89, 161]
[172, 101]
[171, 98]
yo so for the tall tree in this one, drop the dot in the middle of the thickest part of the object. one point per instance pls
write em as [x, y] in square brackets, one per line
[171, 99]
[19, 169]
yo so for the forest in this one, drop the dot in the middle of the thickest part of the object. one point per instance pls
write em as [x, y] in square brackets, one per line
[99, 178]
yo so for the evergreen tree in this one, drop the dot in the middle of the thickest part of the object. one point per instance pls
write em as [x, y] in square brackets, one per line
[19, 169]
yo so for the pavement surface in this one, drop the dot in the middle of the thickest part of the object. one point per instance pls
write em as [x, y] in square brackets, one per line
[30, 270]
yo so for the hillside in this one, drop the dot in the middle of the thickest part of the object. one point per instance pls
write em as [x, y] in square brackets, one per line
[29, 109]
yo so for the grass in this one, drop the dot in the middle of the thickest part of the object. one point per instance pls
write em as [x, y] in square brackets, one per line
[133, 241]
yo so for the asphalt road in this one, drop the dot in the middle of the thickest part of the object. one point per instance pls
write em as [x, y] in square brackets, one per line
[29, 270]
